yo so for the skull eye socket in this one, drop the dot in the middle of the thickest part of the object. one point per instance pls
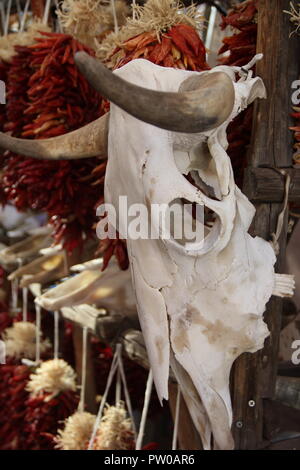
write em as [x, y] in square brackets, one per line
[192, 226]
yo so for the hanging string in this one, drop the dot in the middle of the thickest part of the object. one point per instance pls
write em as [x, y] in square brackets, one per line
[113, 6]
[46, 11]
[15, 290]
[25, 303]
[14, 294]
[139, 441]
[81, 405]
[56, 335]
[176, 419]
[118, 388]
[126, 391]
[58, 27]
[37, 333]
[111, 374]
[7, 17]
[19, 11]
[25, 11]
[133, 9]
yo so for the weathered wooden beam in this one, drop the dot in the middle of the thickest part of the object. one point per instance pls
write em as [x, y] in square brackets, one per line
[272, 143]
[287, 369]
[188, 436]
[290, 443]
[268, 185]
[288, 392]
[254, 376]
[280, 419]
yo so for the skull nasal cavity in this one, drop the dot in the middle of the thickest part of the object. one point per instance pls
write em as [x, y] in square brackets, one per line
[199, 168]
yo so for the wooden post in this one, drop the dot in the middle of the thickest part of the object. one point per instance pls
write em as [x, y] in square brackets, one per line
[188, 436]
[254, 376]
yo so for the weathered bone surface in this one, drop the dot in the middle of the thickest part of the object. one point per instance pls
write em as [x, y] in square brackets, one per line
[111, 290]
[96, 263]
[45, 269]
[204, 302]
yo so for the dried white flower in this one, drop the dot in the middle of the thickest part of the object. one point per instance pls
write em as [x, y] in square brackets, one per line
[20, 340]
[77, 432]
[25, 38]
[86, 19]
[52, 377]
[115, 430]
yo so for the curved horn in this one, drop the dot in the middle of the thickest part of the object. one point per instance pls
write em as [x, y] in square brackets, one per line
[201, 107]
[88, 141]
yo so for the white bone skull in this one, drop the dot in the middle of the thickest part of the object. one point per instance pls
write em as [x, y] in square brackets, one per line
[111, 289]
[200, 305]
[205, 305]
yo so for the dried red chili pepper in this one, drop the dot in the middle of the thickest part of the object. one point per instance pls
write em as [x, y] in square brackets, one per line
[160, 48]
[240, 49]
[43, 417]
[13, 381]
[58, 100]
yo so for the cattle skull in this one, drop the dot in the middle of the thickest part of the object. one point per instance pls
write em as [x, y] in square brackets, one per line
[111, 290]
[200, 306]
[45, 269]
[25, 250]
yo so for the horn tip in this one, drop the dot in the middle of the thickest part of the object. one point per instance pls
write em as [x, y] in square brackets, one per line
[80, 56]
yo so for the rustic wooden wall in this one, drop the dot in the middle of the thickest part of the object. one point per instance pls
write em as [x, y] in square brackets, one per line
[255, 375]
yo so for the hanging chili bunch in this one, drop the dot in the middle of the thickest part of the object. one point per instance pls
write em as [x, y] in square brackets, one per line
[4, 67]
[242, 45]
[296, 130]
[179, 47]
[18, 76]
[240, 49]
[166, 36]
[20, 342]
[58, 100]
[13, 395]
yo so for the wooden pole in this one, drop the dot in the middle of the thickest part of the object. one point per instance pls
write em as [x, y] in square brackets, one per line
[254, 375]
[188, 436]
